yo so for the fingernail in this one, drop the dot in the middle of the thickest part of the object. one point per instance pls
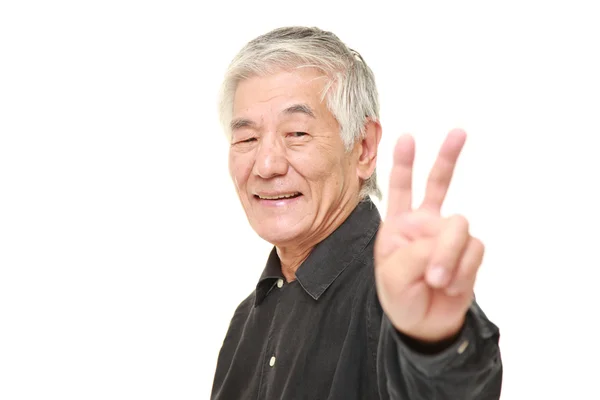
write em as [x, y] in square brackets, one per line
[437, 276]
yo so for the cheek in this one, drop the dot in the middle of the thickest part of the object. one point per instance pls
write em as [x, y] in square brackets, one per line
[319, 166]
[239, 170]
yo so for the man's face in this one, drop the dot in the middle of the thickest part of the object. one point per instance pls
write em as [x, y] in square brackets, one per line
[287, 160]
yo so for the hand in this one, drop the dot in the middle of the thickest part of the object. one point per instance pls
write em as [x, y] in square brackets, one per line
[425, 265]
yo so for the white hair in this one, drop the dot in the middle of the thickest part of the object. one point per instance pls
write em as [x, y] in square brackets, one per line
[350, 93]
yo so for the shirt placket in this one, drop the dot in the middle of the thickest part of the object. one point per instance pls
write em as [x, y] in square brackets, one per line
[269, 358]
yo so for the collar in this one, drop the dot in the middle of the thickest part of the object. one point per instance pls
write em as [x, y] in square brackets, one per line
[330, 257]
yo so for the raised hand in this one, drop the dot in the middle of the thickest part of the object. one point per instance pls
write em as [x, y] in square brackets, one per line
[425, 264]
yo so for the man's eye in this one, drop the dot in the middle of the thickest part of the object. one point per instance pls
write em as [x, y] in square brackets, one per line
[247, 140]
[298, 134]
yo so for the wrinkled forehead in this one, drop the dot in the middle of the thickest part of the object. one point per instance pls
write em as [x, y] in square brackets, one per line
[277, 91]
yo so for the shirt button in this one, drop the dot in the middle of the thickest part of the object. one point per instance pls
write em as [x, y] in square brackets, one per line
[279, 283]
[463, 346]
[272, 361]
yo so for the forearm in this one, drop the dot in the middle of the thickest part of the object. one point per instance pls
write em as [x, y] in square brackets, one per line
[469, 369]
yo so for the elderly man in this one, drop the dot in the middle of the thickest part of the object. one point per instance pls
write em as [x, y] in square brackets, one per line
[347, 307]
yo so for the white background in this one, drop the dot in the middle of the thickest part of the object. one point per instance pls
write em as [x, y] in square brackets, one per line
[124, 251]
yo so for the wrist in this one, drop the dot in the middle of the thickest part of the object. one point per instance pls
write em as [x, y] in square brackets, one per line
[432, 343]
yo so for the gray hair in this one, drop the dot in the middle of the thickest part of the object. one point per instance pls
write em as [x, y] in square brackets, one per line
[351, 93]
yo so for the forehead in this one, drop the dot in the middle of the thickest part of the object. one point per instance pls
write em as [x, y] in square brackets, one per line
[261, 96]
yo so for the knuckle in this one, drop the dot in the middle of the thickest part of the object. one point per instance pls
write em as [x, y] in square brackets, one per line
[478, 246]
[460, 222]
[463, 276]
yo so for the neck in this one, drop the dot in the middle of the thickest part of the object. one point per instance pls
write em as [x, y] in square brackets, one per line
[292, 256]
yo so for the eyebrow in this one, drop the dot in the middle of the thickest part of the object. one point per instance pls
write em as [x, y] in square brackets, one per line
[300, 109]
[240, 123]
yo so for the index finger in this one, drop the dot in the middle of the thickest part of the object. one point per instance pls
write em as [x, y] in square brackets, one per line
[400, 192]
[443, 169]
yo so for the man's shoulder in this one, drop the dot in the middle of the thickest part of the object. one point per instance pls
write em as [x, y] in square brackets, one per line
[241, 313]
[245, 305]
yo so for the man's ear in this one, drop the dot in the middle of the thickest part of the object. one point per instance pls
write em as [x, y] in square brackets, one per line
[367, 151]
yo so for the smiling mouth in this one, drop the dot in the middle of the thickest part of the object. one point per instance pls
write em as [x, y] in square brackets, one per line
[279, 197]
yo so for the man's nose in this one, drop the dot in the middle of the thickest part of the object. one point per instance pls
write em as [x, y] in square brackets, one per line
[271, 159]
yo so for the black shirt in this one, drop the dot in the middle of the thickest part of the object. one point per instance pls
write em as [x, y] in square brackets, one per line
[324, 335]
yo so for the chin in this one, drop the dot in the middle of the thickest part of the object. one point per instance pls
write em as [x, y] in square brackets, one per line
[279, 231]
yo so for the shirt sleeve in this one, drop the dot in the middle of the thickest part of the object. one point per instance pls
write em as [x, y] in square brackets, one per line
[469, 369]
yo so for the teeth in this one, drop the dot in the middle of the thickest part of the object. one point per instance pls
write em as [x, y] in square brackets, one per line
[283, 196]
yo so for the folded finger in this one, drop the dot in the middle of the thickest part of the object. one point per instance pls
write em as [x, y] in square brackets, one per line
[448, 251]
[404, 266]
[464, 277]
